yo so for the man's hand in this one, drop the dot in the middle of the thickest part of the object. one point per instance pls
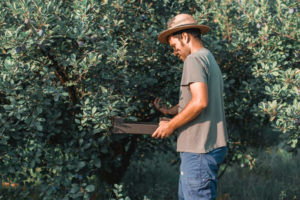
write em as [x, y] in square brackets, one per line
[163, 109]
[164, 130]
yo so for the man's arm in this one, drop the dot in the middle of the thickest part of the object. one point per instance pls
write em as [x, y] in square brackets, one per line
[164, 109]
[173, 110]
[198, 102]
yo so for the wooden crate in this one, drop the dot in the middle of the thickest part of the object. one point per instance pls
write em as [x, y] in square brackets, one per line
[120, 127]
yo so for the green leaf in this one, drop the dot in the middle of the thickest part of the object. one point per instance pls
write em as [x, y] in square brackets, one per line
[81, 164]
[98, 163]
[75, 188]
[39, 126]
[94, 110]
[90, 188]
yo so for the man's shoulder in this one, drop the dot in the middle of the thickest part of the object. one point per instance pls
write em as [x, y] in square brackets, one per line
[203, 52]
[199, 56]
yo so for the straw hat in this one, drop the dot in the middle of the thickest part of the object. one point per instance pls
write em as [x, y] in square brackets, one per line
[178, 23]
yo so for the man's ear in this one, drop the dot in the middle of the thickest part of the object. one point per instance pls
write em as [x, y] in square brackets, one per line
[186, 37]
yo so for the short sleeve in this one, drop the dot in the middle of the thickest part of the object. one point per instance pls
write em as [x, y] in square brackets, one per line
[194, 70]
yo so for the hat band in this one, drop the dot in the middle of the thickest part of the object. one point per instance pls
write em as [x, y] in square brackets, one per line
[183, 25]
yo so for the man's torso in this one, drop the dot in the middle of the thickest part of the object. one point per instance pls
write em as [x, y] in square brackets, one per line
[208, 130]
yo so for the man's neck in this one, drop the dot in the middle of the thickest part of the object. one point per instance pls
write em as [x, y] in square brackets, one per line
[196, 46]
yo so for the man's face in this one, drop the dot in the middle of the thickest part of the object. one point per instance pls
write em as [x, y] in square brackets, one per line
[180, 48]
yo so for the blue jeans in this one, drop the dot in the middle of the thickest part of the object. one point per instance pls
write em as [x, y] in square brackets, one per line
[198, 174]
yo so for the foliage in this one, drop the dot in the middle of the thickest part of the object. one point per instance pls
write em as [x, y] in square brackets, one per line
[118, 193]
[260, 44]
[69, 67]
[274, 177]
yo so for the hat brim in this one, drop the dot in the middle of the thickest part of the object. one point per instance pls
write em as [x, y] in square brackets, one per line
[163, 36]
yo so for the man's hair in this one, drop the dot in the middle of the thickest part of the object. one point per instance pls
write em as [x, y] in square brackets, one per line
[196, 33]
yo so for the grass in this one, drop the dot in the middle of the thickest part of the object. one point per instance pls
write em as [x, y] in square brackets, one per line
[152, 178]
[276, 176]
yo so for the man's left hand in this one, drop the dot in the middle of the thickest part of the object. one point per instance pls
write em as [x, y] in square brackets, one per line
[164, 130]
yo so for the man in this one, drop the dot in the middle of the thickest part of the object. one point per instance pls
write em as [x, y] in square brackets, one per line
[199, 116]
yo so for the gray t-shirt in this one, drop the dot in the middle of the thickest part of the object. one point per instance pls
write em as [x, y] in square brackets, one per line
[208, 130]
